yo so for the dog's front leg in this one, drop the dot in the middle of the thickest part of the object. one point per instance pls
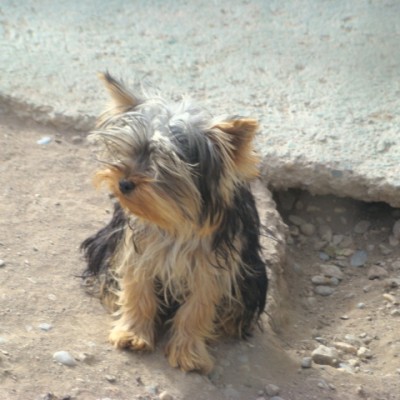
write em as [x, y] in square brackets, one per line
[134, 327]
[193, 325]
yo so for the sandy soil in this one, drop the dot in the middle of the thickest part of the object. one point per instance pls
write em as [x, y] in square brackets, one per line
[48, 206]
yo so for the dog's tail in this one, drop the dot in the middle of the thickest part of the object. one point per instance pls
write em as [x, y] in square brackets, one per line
[99, 249]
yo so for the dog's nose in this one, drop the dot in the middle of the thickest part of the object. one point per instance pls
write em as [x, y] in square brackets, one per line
[126, 186]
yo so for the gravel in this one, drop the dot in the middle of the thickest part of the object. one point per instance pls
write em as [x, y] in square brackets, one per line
[323, 290]
[306, 362]
[272, 390]
[359, 258]
[45, 327]
[307, 229]
[165, 396]
[332, 271]
[345, 347]
[325, 356]
[377, 272]
[65, 358]
[364, 353]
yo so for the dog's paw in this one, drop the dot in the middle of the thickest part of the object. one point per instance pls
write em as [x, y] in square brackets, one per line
[122, 339]
[189, 355]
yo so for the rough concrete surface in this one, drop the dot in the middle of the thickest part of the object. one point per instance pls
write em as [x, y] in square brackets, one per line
[323, 77]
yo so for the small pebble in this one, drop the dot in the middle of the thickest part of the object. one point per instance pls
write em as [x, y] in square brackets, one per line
[364, 353]
[361, 391]
[323, 256]
[86, 358]
[361, 306]
[45, 327]
[377, 272]
[294, 219]
[325, 233]
[337, 239]
[152, 389]
[362, 227]
[346, 368]
[345, 347]
[324, 355]
[359, 258]
[323, 290]
[366, 288]
[323, 385]
[272, 390]
[390, 298]
[44, 140]
[216, 374]
[354, 362]
[395, 313]
[334, 281]
[63, 357]
[353, 340]
[111, 378]
[324, 281]
[320, 280]
[2, 263]
[307, 229]
[306, 362]
[331, 271]
[321, 340]
[367, 340]
[76, 139]
[331, 251]
[344, 252]
[165, 396]
[347, 242]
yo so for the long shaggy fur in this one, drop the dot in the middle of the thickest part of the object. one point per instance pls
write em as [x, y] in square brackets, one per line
[183, 243]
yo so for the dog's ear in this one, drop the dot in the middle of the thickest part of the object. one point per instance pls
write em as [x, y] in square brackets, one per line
[239, 134]
[122, 98]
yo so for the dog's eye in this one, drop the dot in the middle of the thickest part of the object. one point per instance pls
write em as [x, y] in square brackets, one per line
[126, 186]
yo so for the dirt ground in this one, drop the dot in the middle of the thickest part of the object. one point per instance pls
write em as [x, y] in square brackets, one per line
[48, 206]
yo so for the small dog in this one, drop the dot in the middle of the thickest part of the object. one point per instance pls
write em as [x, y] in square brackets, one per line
[183, 245]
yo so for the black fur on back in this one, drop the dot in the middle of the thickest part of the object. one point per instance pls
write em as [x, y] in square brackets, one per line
[243, 219]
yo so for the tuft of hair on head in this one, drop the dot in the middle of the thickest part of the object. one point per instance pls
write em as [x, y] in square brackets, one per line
[239, 133]
[122, 99]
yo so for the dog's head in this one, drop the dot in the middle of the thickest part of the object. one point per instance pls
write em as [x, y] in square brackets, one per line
[173, 165]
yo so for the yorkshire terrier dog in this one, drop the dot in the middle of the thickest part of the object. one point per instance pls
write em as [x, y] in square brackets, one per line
[182, 249]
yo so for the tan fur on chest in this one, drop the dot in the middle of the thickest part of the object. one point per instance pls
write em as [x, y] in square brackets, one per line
[180, 264]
